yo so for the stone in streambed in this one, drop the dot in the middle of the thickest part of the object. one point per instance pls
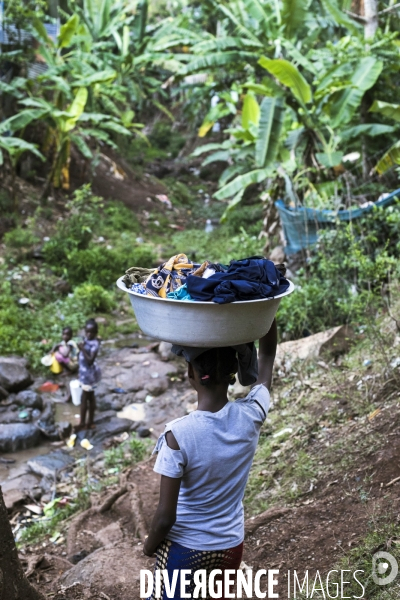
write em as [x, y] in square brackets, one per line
[108, 429]
[29, 399]
[105, 416]
[48, 465]
[18, 436]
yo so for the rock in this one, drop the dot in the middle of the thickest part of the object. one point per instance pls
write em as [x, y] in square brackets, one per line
[141, 395]
[143, 432]
[333, 341]
[103, 404]
[133, 372]
[64, 429]
[18, 436]
[48, 465]
[116, 404]
[16, 491]
[110, 534]
[12, 415]
[3, 394]
[158, 386]
[164, 350]
[277, 255]
[108, 429]
[47, 416]
[14, 375]
[93, 572]
[29, 399]
[105, 416]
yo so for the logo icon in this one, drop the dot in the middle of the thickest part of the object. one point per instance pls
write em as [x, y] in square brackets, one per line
[384, 568]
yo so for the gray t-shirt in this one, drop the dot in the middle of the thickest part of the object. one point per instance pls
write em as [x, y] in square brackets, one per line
[214, 460]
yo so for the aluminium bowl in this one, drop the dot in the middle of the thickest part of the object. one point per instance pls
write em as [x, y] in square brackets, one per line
[203, 324]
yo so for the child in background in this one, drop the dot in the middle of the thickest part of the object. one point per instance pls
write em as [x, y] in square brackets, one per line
[66, 352]
[89, 374]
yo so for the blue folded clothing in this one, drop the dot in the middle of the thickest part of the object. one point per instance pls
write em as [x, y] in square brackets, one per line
[246, 279]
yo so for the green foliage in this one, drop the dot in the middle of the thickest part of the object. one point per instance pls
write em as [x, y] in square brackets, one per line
[381, 528]
[72, 253]
[20, 238]
[118, 218]
[132, 451]
[165, 138]
[343, 280]
[94, 297]
[326, 79]
[219, 246]
[101, 266]
[89, 267]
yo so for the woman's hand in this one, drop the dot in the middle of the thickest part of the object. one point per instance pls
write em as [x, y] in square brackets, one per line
[80, 345]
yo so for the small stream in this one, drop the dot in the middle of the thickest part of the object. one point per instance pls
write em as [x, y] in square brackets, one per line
[63, 411]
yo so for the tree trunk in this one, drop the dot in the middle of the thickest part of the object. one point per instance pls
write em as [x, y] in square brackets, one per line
[13, 582]
[371, 18]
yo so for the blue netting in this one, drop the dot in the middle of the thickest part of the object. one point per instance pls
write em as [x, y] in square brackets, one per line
[301, 225]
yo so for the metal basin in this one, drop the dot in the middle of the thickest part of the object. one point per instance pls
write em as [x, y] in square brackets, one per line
[203, 324]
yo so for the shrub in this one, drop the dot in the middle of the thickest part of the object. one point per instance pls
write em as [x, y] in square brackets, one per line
[94, 297]
[20, 238]
[120, 218]
[100, 266]
[345, 277]
[217, 246]
[75, 231]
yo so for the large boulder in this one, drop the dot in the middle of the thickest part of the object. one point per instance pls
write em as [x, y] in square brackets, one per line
[326, 343]
[18, 436]
[14, 375]
[133, 372]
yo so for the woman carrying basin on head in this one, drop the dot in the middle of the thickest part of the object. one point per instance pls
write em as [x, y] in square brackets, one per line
[204, 460]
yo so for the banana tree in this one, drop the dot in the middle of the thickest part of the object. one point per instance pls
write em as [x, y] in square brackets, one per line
[322, 115]
[251, 150]
[391, 157]
[73, 94]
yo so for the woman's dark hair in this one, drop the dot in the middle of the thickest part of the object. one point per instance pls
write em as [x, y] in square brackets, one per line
[92, 323]
[217, 365]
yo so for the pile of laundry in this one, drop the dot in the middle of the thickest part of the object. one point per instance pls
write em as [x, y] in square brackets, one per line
[179, 278]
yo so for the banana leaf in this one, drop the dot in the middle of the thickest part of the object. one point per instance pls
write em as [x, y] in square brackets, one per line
[288, 75]
[269, 130]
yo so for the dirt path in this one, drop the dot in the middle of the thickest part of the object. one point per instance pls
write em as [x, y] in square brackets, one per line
[331, 487]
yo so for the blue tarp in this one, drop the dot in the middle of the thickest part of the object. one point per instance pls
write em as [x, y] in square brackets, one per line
[301, 225]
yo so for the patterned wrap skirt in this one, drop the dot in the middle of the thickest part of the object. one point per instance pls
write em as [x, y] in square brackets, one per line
[172, 556]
